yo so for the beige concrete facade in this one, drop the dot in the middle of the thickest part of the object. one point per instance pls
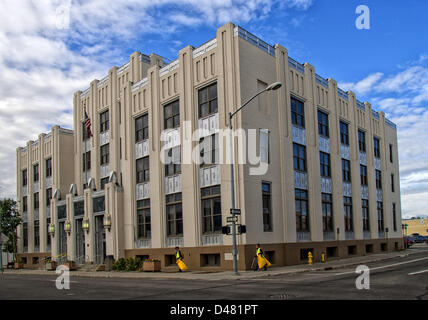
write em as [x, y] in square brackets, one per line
[239, 64]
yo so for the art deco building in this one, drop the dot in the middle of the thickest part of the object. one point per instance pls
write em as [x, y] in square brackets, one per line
[332, 183]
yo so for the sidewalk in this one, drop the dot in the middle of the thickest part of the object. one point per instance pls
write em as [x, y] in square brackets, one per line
[228, 275]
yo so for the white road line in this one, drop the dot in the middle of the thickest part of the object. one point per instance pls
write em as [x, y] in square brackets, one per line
[387, 266]
[418, 272]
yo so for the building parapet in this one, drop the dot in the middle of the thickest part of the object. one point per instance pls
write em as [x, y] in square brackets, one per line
[244, 34]
[296, 65]
[375, 114]
[139, 84]
[123, 68]
[102, 82]
[342, 94]
[321, 80]
[360, 105]
[85, 93]
[168, 68]
[390, 123]
[207, 46]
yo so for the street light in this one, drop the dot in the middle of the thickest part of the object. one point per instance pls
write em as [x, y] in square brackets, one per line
[271, 87]
[1, 254]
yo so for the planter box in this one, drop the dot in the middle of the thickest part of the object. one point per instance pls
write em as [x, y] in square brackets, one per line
[153, 266]
[51, 265]
[19, 265]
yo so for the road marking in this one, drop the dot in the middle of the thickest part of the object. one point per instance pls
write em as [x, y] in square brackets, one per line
[387, 266]
[418, 272]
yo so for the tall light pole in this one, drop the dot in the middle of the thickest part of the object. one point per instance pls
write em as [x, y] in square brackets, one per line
[1, 253]
[271, 87]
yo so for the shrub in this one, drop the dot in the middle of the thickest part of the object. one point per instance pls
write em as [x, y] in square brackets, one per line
[119, 264]
[133, 264]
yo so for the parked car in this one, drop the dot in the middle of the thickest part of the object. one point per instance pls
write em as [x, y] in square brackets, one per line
[408, 241]
[418, 238]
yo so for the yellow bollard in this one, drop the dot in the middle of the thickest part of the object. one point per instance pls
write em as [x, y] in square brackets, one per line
[323, 257]
[310, 258]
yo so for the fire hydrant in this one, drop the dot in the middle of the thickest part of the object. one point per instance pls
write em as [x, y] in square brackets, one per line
[323, 257]
[310, 258]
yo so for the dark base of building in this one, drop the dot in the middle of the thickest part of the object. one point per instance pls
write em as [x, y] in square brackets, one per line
[215, 258]
[219, 258]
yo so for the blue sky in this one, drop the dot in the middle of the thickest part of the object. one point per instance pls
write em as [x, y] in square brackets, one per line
[42, 65]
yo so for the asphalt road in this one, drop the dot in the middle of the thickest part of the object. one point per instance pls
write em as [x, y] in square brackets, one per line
[399, 278]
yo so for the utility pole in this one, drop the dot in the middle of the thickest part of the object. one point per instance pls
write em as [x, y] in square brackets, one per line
[272, 87]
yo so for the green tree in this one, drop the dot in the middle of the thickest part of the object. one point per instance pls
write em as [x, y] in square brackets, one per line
[9, 221]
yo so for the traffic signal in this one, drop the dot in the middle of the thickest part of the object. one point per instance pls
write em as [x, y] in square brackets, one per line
[242, 229]
[225, 230]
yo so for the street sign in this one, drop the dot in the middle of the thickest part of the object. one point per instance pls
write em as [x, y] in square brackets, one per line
[232, 219]
[235, 211]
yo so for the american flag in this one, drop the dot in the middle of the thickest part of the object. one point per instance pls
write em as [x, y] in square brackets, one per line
[88, 124]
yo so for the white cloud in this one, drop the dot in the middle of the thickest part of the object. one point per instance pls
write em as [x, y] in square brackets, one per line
[403, 96]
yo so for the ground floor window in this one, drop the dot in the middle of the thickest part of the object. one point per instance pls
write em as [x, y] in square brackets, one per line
[302, 210]
[143, 219]
[327, 212]
[211, 209]
[380, 220]
[174, 214]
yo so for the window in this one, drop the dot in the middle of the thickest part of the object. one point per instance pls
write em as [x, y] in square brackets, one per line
[297, 112]
[327, 212]
[24, 204]
[344, 133]
[48, 167]
[174, 215]
[36, 172]
[209, 150]
[376, 147]
[143, 170]
[86, 165]
[25, 234]
[143, 219]
[79, 208]
[48, 222]
[98, 204]
[347, 204]
[210, 260]
[346, 170]
[48, 197]
[363, 175]
[36, 233]
[174, 158]
[267, 206]
[299, 157]
[323, 129]
[104, 151]
[380, 221]
[142, 128]
[390, 154]
[172, 115]
[264, 145]
[392, 183]
[378, 175]
[361, 141]
[211, 209]
[103, 182]
[207, 100]
[302, 210]
[325, 164]
[62, 212]
[365, 214]
[24, 177]
[36, 200]
[394, 217]
[104, 121]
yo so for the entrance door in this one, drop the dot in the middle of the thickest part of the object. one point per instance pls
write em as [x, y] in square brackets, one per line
[80, 242]
[100, 240]
[62, 238]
